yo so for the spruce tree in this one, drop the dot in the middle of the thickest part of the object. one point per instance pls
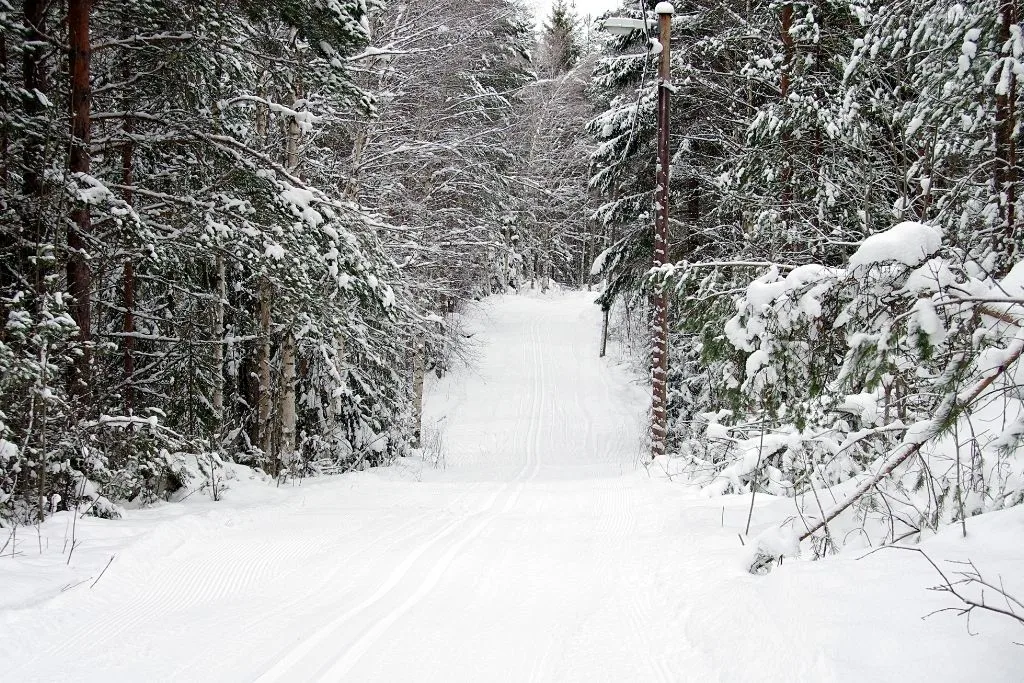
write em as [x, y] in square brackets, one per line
[560, 46]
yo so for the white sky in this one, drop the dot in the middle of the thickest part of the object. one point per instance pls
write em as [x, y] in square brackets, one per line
[592, 7]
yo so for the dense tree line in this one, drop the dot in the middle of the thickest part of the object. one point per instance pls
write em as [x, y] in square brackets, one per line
[236, 230]
[243, 231]
[847, 301]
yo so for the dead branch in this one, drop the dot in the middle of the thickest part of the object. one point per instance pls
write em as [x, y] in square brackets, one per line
[908, 449]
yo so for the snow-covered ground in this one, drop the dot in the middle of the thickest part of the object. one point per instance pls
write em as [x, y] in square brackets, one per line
[535, 550]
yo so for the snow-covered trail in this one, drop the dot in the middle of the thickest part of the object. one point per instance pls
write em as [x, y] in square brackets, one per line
[536, 402]
[537, 553]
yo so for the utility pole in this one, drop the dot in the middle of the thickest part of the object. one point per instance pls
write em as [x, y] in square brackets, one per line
[659, 323]
[659, 300]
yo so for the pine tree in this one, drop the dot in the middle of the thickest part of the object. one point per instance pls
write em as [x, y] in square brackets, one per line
[560, 45]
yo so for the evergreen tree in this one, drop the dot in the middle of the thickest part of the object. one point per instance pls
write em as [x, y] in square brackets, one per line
[560, 45]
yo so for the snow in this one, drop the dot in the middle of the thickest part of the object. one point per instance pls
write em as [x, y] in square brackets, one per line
[1009, 287]
[927, 321]
[301, 201]
[664, 8]
[908, 243]
[778, 541]
[863, 405]
[599, 262]
[8, 451]
[538, 549]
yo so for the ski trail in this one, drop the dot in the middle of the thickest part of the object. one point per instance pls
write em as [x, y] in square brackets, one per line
[341, 667]
[517, 550]
[298, 653]
[535, 426]
[535, 554]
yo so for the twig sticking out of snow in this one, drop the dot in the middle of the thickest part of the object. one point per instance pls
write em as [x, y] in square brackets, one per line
[970, 576]
[103, 572]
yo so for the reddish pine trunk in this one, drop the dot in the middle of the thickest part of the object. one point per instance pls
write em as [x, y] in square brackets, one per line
[659, 324]
[4, 140]
[79, 276]
[128, 278]
[34, 75]
[1006, 143]
[788, 47]
[786, 175]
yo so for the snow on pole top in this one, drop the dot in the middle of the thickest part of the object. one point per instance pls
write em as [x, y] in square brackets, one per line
[664, 8]
[909, 243]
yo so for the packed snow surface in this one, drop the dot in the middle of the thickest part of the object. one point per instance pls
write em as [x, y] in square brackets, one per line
[537, 549]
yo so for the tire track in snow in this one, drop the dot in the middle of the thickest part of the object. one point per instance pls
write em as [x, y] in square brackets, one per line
[623, 441]
[526, 434]
[539, 391]
[583, 407]
[336, 669]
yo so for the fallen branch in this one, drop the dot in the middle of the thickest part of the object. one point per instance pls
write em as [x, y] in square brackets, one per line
[969, 577]
[907, 449]
[102, 572]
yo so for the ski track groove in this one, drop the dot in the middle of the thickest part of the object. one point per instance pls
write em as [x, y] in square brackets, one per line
[190, 583]
[584, 408]
[337, 670]
[296, 652]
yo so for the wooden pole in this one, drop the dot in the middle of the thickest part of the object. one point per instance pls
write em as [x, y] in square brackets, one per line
[659, 322]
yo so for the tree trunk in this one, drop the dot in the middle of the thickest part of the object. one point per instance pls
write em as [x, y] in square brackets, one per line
[417, 396]
[659, 319]
[266, 432]
[605, 311]
[128, 280]
[788, 47]
[288, 417]
[334, 405]
[358, 148]
[33, 156]
[79, 276]
[584, 261]
[786, 170]
[220, 290]
[292, 145]
[4, 135]
[41, 491]
[7, 241]
[1006, 144]
[288, 412]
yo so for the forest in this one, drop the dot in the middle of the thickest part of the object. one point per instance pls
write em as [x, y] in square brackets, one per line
[244, 231]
